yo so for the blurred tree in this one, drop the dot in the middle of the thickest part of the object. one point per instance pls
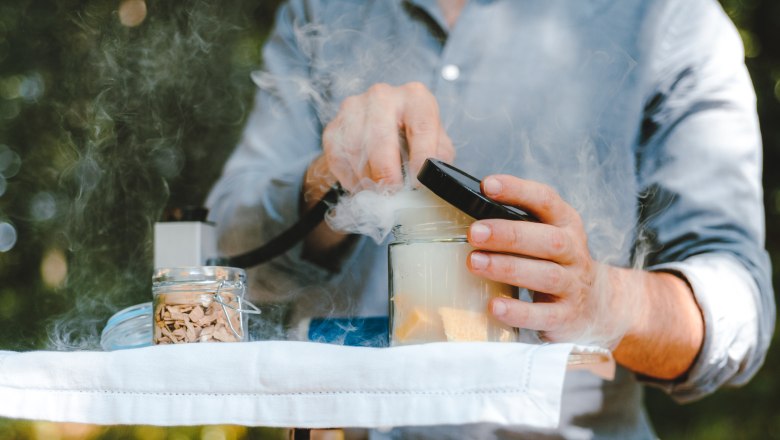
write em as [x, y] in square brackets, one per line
[110, 110]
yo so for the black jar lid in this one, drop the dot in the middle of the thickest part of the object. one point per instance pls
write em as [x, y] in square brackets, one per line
[462, 191]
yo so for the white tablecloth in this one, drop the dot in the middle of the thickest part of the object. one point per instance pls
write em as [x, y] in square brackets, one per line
[289, 384]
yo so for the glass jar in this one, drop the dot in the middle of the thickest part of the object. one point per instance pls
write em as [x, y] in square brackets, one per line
[199, 304]
[433, 295]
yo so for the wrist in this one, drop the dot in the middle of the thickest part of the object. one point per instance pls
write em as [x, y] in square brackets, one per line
[316, 182]
[631, 286]
[322, 246]
[668, 331]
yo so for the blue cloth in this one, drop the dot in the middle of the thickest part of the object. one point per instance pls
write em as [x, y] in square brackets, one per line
[640, 113]
[355, 332]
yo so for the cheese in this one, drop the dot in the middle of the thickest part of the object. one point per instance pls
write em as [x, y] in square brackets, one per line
[415, 324]
[464, 325]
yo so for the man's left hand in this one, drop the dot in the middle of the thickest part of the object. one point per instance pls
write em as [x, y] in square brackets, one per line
[550, 258]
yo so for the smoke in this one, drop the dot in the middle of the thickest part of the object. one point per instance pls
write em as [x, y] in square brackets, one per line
[153, 97]
[156, 101]
[374, 212]
[552, 118]
[368, 212]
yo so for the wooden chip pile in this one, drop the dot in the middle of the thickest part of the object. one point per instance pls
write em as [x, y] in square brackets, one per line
[195, 317]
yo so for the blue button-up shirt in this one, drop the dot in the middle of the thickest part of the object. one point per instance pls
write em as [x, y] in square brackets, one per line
[640, 113]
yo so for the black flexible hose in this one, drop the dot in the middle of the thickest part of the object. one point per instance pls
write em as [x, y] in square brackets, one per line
[287, 239]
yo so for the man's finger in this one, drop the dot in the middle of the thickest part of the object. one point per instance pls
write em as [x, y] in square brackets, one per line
[538, 275]
[538, 240]
[537, 198]
[380, 136]
[334, 138]
[420, 120]
[545, 317]
[445, 150]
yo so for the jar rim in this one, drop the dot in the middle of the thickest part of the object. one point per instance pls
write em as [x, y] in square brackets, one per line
[198, 273]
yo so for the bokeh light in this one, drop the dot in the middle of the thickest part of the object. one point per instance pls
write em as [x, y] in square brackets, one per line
[213, 433]
[7, 236]
[132, 12]
[43, 206]
[777, 90]
[9, 86]
[31, 87]
[168, 161]
[65, 431]
[54, 268]
[10, 162]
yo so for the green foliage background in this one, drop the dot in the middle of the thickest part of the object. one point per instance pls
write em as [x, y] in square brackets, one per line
[102, 126]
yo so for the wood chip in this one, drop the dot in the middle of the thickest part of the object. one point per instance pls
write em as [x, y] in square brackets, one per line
[196, 314]
[183, 317]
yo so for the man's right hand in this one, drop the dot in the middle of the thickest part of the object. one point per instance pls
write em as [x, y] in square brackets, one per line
[364, 145]
[365, 142]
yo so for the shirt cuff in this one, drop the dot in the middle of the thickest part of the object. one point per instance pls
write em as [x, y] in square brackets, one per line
[725, 292]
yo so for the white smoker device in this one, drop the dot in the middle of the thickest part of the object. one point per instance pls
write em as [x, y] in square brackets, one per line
[184, 239]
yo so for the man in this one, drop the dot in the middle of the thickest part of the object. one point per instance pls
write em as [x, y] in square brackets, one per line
[632, 125]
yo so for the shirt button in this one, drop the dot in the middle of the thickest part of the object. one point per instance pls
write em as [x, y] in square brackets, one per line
[450, 72]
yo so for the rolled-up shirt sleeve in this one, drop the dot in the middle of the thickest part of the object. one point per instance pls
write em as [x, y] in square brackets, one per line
[699, 165]
[726, 293]
[258, 195]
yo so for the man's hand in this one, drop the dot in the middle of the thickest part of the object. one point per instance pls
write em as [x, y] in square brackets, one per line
[371, 133]
[576, 298]
[364, 145]
[550, 258]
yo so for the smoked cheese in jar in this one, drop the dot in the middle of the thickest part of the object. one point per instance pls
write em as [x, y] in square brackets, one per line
[433, 295]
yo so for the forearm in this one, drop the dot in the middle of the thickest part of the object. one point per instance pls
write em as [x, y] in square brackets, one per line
[668, 329]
